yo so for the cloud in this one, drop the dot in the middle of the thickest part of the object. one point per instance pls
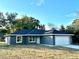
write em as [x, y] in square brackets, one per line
[40, 2]
[73, 14]
[37, 2]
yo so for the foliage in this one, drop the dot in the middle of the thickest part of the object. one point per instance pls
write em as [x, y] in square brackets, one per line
[2, 19]
[11, 23]
[76, 22]
[11, 17]
[3, 31]
[70, 29]
[62, 28]
[27, 23]
[74, 27]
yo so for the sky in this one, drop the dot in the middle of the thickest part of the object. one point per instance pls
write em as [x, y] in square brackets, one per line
[57, 12]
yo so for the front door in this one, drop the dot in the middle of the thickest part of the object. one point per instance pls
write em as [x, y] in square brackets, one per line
[31, 39]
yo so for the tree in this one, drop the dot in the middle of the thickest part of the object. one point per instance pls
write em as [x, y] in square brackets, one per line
[27, 23]
[11, 17]
[62, 28]
[2, 19]
[3, 31]
[70, 29]
[74, 27]
[11, 23]
[75, 24]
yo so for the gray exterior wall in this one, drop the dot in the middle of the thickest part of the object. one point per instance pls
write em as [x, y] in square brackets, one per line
[25, 40]
[13, 40]
[47, 40]
[55, 40]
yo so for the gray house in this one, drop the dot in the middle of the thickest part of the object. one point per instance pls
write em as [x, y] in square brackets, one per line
[38, 36]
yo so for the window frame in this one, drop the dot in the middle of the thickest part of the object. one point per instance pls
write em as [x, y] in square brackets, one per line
[31, 39]
[20, 39]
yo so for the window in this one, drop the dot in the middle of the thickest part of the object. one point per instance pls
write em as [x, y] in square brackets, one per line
[32, 40]
[19, 39]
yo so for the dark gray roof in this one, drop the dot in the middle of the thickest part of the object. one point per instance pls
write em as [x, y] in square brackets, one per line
[39, 32]
[59, 32]
[56, 32]
[30, 31]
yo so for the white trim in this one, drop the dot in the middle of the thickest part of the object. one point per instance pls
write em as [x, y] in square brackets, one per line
[7, 40]
[38, 34]
[38, 40]
[20, 39]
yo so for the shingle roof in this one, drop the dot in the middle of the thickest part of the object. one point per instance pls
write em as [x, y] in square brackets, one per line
[38, 31]
[60, 32]
[31, 31]
[57, 32]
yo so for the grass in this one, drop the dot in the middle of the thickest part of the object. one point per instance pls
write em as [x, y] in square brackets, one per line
[36, 52]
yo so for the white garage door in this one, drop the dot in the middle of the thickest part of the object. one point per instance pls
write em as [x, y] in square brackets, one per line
[62, 40]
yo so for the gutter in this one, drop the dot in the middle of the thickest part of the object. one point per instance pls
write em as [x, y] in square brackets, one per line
[38, 34]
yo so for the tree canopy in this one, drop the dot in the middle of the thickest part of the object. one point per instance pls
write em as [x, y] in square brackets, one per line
[74, 27]
[62, 28]
[27, 23]
[11, 23]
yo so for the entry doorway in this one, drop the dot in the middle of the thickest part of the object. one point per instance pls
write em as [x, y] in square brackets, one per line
[34, 39]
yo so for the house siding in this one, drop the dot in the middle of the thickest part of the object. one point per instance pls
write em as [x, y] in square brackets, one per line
[25, 40]
[47, 40]
[55, 40]
[13, 40]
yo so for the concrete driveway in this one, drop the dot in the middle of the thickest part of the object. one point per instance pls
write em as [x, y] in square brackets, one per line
[68, 46]
[72, 46]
